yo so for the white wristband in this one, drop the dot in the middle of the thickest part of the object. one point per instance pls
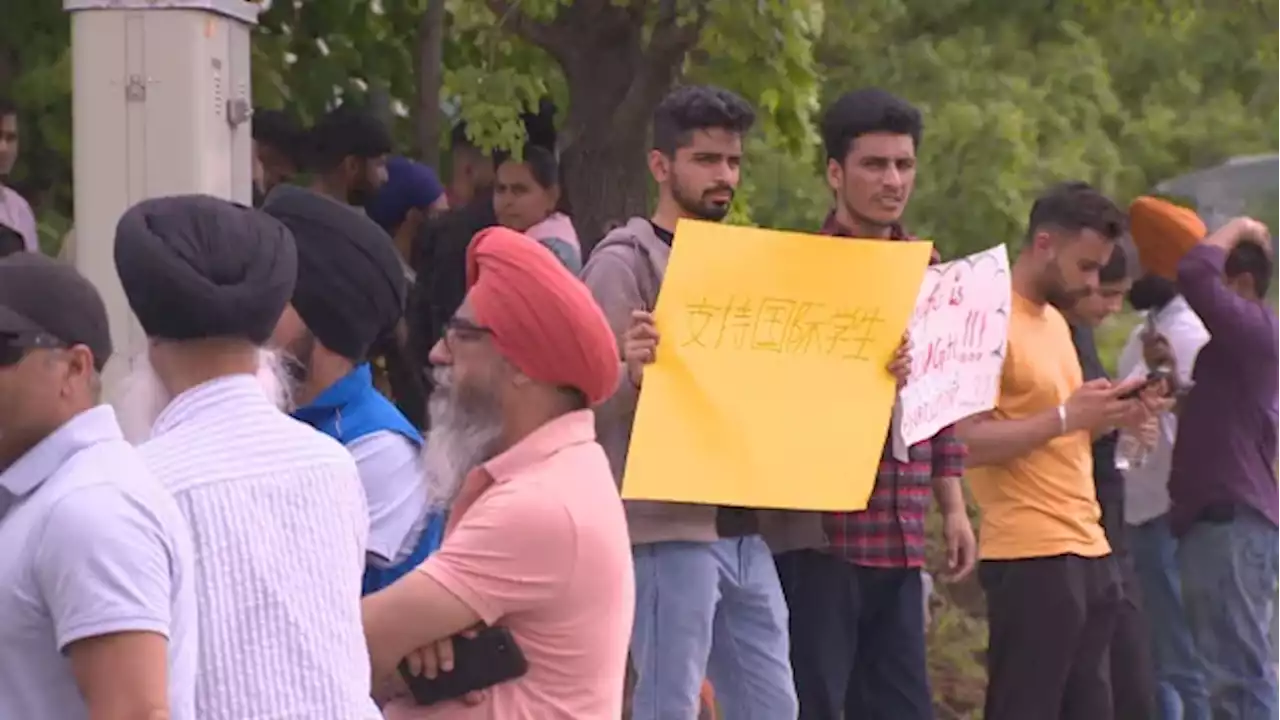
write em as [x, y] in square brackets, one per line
[1062, 419]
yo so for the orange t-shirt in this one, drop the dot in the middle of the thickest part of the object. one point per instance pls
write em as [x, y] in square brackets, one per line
[537, 543]
[1043, 503]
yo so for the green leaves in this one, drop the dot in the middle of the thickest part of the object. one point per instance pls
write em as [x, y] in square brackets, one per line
[1015, 96]
[764, 51]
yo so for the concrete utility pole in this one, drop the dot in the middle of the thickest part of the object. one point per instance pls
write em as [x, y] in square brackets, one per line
[161, 106]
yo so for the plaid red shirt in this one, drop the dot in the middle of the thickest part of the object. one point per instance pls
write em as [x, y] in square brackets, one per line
[890, 532]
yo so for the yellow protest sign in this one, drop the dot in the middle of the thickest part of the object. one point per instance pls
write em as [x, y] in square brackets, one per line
[770, 389]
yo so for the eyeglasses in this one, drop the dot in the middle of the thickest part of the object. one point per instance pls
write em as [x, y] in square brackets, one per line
[460, 329]
[15, 346]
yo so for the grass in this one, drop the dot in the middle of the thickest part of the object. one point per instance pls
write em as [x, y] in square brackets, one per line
[957, 636]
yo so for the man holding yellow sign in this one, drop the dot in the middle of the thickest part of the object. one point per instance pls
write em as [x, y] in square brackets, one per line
[853, 578]
[708, 602]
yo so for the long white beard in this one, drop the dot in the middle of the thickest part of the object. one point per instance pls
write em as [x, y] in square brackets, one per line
[140, 397]
[459, 441]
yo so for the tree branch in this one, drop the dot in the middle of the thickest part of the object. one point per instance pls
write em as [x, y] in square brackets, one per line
[430, 59]
[668, 37]
[544, 35]
[669, 43]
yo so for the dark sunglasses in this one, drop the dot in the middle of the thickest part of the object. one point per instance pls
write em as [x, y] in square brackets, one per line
[15, 346]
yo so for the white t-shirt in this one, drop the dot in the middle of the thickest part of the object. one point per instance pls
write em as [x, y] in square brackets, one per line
[1146, 487]
[90, 545]
[16, 213]
[391, 471]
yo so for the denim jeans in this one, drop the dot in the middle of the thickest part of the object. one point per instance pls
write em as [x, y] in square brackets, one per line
[1229, 587]
[710, 610]
[1181, 692]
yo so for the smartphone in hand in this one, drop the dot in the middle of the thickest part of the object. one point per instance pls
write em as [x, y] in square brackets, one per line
[482, 661]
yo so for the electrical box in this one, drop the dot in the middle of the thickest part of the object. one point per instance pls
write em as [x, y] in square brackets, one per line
[161, 106]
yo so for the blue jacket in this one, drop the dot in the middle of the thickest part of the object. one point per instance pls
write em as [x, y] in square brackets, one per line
[347, 411]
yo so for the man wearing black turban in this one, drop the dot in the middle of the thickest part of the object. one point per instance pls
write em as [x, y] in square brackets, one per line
[350, 293]
[276, 510]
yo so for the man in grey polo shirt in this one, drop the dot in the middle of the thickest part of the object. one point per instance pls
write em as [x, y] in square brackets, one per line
[97, 607]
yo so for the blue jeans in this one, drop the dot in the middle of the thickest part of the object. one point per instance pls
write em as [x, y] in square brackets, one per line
[710, 610]
[1229, 587]
[1181, 692]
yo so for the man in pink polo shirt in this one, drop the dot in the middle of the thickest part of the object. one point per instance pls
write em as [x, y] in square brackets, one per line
[537, 539]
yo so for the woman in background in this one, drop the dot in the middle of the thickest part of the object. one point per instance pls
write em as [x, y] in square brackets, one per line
[526, 197]
[526, 192]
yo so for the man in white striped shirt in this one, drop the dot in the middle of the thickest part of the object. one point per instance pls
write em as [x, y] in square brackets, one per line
[275, 508]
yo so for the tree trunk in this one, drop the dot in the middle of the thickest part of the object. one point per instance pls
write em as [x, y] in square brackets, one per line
[606, 181]
[616, 77]
[430, 82]
[605, 178]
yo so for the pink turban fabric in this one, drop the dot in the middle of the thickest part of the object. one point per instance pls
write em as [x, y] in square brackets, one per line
[543, 319]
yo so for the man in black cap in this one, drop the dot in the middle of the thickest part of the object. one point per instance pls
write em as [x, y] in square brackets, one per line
[276, 508]
[277, 145]
[350, 293]
[97, 600]
[349, 149]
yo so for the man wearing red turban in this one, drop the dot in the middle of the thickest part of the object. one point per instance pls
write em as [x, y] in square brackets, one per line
[537, 539]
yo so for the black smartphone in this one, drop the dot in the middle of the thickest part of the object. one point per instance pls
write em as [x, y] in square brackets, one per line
[489, 658]
[1153, 378]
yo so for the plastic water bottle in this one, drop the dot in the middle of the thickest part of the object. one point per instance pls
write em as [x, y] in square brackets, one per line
[1130, 452]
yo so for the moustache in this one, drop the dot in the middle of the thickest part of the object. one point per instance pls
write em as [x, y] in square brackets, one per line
[441, 379]
[719, 189]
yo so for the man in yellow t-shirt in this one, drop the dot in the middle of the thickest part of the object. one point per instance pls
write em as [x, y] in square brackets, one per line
[1052, 588]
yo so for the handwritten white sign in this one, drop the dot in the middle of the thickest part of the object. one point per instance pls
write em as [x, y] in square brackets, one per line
[958, 336]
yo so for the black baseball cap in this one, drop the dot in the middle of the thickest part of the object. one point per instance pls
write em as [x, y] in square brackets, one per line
[39, 295]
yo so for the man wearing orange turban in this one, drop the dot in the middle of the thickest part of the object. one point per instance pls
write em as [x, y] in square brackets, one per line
[537, 540]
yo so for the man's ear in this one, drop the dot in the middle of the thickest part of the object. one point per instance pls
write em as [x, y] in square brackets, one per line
[80, 367]
[352, 167]
[659, 166]
[1043, 242]
[835, 174]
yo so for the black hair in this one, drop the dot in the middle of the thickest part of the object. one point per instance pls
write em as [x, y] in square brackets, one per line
[1117, 268]
[458, 139]
[1249, 258]
[347, 131]
[1152, 292]
[11, 241]
[540, 151]
[7, 107]
[698, 107]
[540, 126]
[281, 131]
[1074, 207]
[866, 111]
[542, 164]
